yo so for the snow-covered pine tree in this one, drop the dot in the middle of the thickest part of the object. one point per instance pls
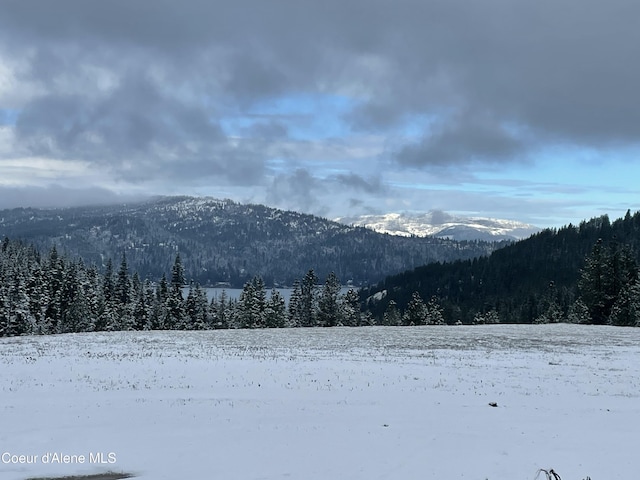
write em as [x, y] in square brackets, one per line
[308, 300]
[275, 312]
[294, 310]
[176, 317]
[578, 313]
[392, 315]
[626, 309]
[416, 311]
[350, 309]
[196, 308]
[328, 308]
[434, 314]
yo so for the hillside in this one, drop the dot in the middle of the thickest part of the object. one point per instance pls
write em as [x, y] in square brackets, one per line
[225, 241]
[522, 282]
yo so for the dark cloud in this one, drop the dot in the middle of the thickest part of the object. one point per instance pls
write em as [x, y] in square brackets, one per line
[438, 217]
[296, 191]
[356, 182]
[566, 71]
[55, 196]
[141, 88]
[463, 140]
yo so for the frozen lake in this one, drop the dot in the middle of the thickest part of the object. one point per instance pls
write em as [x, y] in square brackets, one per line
[406, 403]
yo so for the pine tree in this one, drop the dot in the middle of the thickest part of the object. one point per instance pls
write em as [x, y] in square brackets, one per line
[176, 316]
[196, 308]
[15, 306]
[328, 309]
[275, 312]
[626, 309]
[294, 311]
[607, 272]
[392, 315]
[252, 304]
[219, 311]
[122, 289]
[308, 300]
[350, 309]
[124, 297]
[434, 314]
[54, 275]
[177, 274]
[579, 313]
[416, 311]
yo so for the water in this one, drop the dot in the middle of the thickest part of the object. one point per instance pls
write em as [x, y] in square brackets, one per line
[234, 293]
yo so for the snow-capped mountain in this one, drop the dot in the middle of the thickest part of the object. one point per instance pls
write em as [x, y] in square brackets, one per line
[441, 224]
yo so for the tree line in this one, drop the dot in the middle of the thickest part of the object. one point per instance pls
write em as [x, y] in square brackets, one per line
[54, 294]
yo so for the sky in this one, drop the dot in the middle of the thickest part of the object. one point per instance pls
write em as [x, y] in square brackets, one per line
[502, 108]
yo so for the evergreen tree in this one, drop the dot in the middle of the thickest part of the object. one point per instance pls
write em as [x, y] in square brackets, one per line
[38, 299]
[328, 308]
[350, 311]
[275, 312]
[219, 311]
[175, 314]
[54, 275]
[14, 306]
[177, 274]
[392, 315]
[75, 311]
[294, 311]
[607, 272]
[626, 309]
[122, 288]
[579, 313]
[487, 318]
[197, 308]
[252, 304]
[434, 313]
[416, 311]
[160, 315]
[308, 300]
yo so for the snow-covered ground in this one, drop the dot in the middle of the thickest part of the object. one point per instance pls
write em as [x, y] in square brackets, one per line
[317, 404]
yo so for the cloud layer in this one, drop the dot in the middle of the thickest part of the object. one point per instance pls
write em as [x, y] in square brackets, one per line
[160, 93]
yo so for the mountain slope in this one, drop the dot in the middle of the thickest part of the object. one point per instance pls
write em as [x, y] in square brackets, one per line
[520, 282]
[443, 225]
[224, 241]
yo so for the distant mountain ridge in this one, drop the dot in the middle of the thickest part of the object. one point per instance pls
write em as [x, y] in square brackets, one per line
[443, 225]
[225, 241]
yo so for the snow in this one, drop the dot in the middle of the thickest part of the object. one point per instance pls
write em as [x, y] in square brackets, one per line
[441, 224]
[315, 404]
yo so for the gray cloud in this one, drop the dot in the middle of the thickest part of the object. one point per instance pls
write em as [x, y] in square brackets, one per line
[567, 72]
[295, 191]
[464, 140]
[356, 182]
[55, 196]
[141, 88]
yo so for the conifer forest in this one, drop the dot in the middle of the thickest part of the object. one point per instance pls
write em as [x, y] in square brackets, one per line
[585, 274]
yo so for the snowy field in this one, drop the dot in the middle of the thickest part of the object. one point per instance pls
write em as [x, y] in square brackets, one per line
[374, 403]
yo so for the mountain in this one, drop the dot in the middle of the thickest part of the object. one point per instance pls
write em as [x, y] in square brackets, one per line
[443, 225]
[225, 241]
[533, 280]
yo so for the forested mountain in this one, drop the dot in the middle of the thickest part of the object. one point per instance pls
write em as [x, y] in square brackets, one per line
[224, 241]
[586, 273]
